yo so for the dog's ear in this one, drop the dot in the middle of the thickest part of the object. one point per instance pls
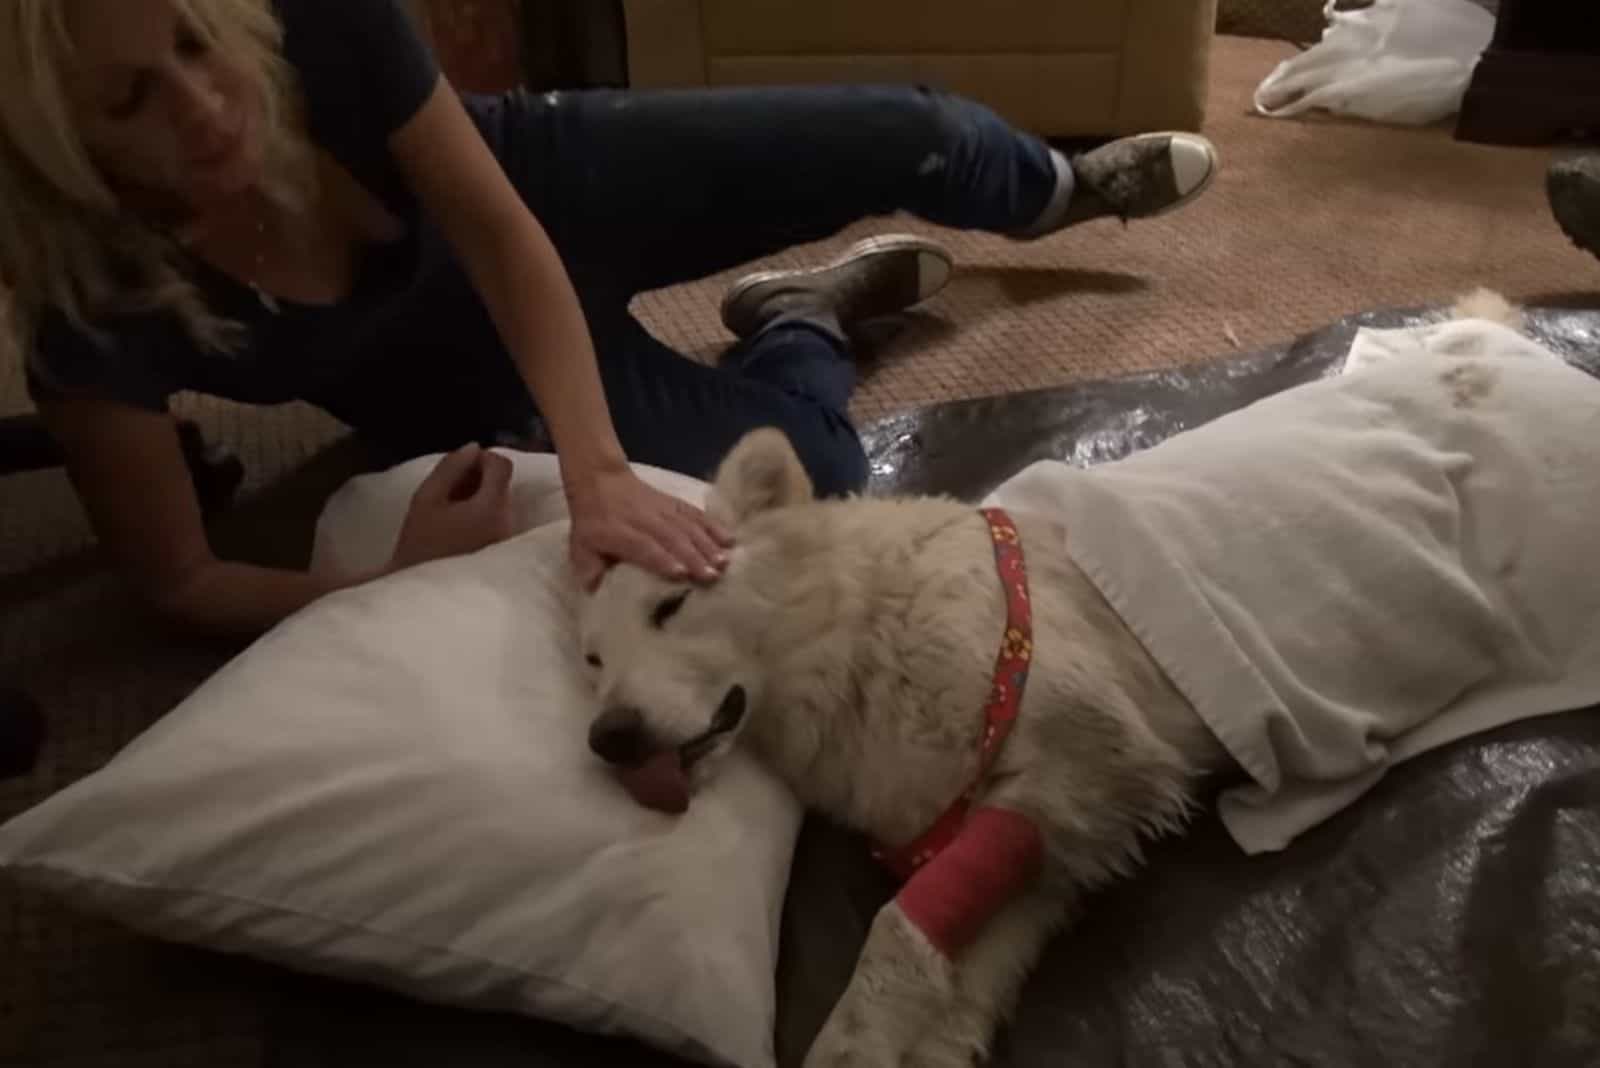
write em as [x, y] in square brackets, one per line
[761, 472]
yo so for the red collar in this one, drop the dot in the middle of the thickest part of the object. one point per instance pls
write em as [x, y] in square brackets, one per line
[1005, 698]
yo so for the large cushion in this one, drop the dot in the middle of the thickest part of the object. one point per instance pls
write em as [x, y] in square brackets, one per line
[393, 786]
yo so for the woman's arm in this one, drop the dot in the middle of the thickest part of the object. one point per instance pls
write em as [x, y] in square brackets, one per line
[519, 274]
[129, 471]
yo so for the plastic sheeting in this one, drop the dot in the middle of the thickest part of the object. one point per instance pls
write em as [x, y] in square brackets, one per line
[966, 448]
[1452, 916]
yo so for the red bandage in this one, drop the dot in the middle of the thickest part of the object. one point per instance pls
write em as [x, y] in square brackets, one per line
[950, 898]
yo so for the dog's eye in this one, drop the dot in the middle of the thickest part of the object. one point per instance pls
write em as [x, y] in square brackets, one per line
[593, 661]
[668, 608]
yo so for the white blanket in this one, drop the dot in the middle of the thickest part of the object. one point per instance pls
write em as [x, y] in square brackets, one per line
[1350, 573]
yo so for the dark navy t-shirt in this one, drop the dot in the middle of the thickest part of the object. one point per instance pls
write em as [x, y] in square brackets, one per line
[364, 72]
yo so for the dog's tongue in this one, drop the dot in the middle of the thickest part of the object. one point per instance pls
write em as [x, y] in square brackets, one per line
[659, 783]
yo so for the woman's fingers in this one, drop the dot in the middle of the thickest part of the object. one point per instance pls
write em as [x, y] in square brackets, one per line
[494, 494]
[648, 549]
[456, 470]
[678, 530]
[704, 535]
[495, 479]
[587, 565]
[718, 533]
[628, 520]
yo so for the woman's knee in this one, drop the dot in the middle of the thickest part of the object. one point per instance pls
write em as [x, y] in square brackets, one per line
[962, 124]
[946, 122]
[969, 167]
[830, 451]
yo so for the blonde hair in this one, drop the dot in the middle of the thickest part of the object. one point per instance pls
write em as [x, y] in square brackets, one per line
[66, 243]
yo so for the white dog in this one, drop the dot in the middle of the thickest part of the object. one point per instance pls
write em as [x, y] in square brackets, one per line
[1011, 702]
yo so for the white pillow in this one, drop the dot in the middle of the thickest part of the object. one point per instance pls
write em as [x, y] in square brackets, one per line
[394, 786]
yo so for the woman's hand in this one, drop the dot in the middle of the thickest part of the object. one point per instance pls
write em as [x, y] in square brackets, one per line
[463, 505]
[616, 516]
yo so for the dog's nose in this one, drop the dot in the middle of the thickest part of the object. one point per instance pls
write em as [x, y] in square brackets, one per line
[617, 736]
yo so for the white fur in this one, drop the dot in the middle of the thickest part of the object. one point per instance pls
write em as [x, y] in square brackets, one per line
[863, 632]
[1487, 304]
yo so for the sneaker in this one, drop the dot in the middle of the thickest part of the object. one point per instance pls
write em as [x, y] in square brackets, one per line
[1573, 186]
[1131, 178]
[874, 278]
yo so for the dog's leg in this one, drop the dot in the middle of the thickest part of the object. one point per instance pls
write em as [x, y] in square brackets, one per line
[906, 977]
[900, 983]
[988, 982]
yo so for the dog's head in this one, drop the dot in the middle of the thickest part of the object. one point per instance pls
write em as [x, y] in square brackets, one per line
[677, 666]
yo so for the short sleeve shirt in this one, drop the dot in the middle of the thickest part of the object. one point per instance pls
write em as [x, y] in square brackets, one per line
[364, 71]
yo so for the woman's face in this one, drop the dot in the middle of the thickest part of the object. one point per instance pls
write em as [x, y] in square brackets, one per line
[160, 111]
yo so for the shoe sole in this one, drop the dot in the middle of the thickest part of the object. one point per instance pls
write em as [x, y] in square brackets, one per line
[934, 268]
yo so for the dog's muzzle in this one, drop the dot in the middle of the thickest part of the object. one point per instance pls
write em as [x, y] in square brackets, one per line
[658, 776]
[729, 715]
[619, 735]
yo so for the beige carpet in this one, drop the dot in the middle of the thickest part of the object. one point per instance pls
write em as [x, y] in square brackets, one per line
[1308, 222]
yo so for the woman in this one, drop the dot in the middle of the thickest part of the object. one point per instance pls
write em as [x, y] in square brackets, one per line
[282, 199]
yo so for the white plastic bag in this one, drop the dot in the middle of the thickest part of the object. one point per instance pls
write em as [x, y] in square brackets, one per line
[1400, 61]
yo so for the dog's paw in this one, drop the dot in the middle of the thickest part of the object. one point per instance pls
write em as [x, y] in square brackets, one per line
[855, 1036]
[959, 1040]
[941, 1054]
[850, 1043]
[850, 1057]
[900, 987]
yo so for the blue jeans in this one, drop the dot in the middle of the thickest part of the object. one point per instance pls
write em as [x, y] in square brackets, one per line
[640, 190]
